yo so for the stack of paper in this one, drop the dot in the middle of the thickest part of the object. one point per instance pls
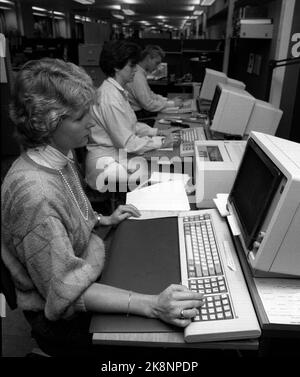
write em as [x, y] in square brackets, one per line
[164, 196]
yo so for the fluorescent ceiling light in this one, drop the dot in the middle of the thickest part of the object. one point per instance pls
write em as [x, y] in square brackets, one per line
[85, 2]
[116, 7]
[40, 14]
[5, 8]
[128, 12]
[118, 15]
[81, 18]
[39, 9]
[58, 13]
[7, 2]
[198, 11]
[207, 3]
[189, 8]
[131, 1]
[161, 17]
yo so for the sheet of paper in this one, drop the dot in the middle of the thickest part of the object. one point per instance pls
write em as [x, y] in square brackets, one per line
[221, 204]
[170, 109]
[145, 215]
[165, 177]
[165, 149]
[165, 196]
[281, 299]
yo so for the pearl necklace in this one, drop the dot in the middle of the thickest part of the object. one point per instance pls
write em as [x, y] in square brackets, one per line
[86, 207]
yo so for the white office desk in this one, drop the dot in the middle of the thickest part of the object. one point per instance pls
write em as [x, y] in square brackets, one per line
[172, 340]
[107, 331]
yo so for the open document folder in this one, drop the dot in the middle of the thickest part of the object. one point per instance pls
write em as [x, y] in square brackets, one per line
[164, 196]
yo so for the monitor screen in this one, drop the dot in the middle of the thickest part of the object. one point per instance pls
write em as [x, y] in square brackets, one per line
[253, 190]
[214, 103]
[160, 72]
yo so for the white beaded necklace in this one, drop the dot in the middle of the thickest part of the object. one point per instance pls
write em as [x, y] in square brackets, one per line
[49, 153]
[86, 207]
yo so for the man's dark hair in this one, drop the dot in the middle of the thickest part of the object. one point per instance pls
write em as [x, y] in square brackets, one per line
[117, 54]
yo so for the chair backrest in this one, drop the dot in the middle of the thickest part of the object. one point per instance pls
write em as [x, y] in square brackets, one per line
[7, 284]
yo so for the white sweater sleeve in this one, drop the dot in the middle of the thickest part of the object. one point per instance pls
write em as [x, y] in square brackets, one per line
[60, 277]
[122, 132]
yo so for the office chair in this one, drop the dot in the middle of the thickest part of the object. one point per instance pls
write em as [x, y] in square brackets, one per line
[8, 289]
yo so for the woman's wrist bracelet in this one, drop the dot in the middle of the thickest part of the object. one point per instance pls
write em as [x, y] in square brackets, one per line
[128, 306]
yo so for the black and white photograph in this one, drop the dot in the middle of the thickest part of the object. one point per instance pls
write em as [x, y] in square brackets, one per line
[150, 184]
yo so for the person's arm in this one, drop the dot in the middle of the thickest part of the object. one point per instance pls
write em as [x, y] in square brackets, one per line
[142, 129]
[123, 212]
[58, 274]
[144, 95]
[118, 125]
[166, 306]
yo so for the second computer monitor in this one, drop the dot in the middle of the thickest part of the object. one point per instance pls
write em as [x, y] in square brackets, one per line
[230, 110]
[211, 79]
[264, 118]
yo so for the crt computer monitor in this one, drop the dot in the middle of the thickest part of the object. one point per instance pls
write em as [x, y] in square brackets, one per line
[230, 110]
[264, 118]
[160, 72]
[211, 79]
[265, 201]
